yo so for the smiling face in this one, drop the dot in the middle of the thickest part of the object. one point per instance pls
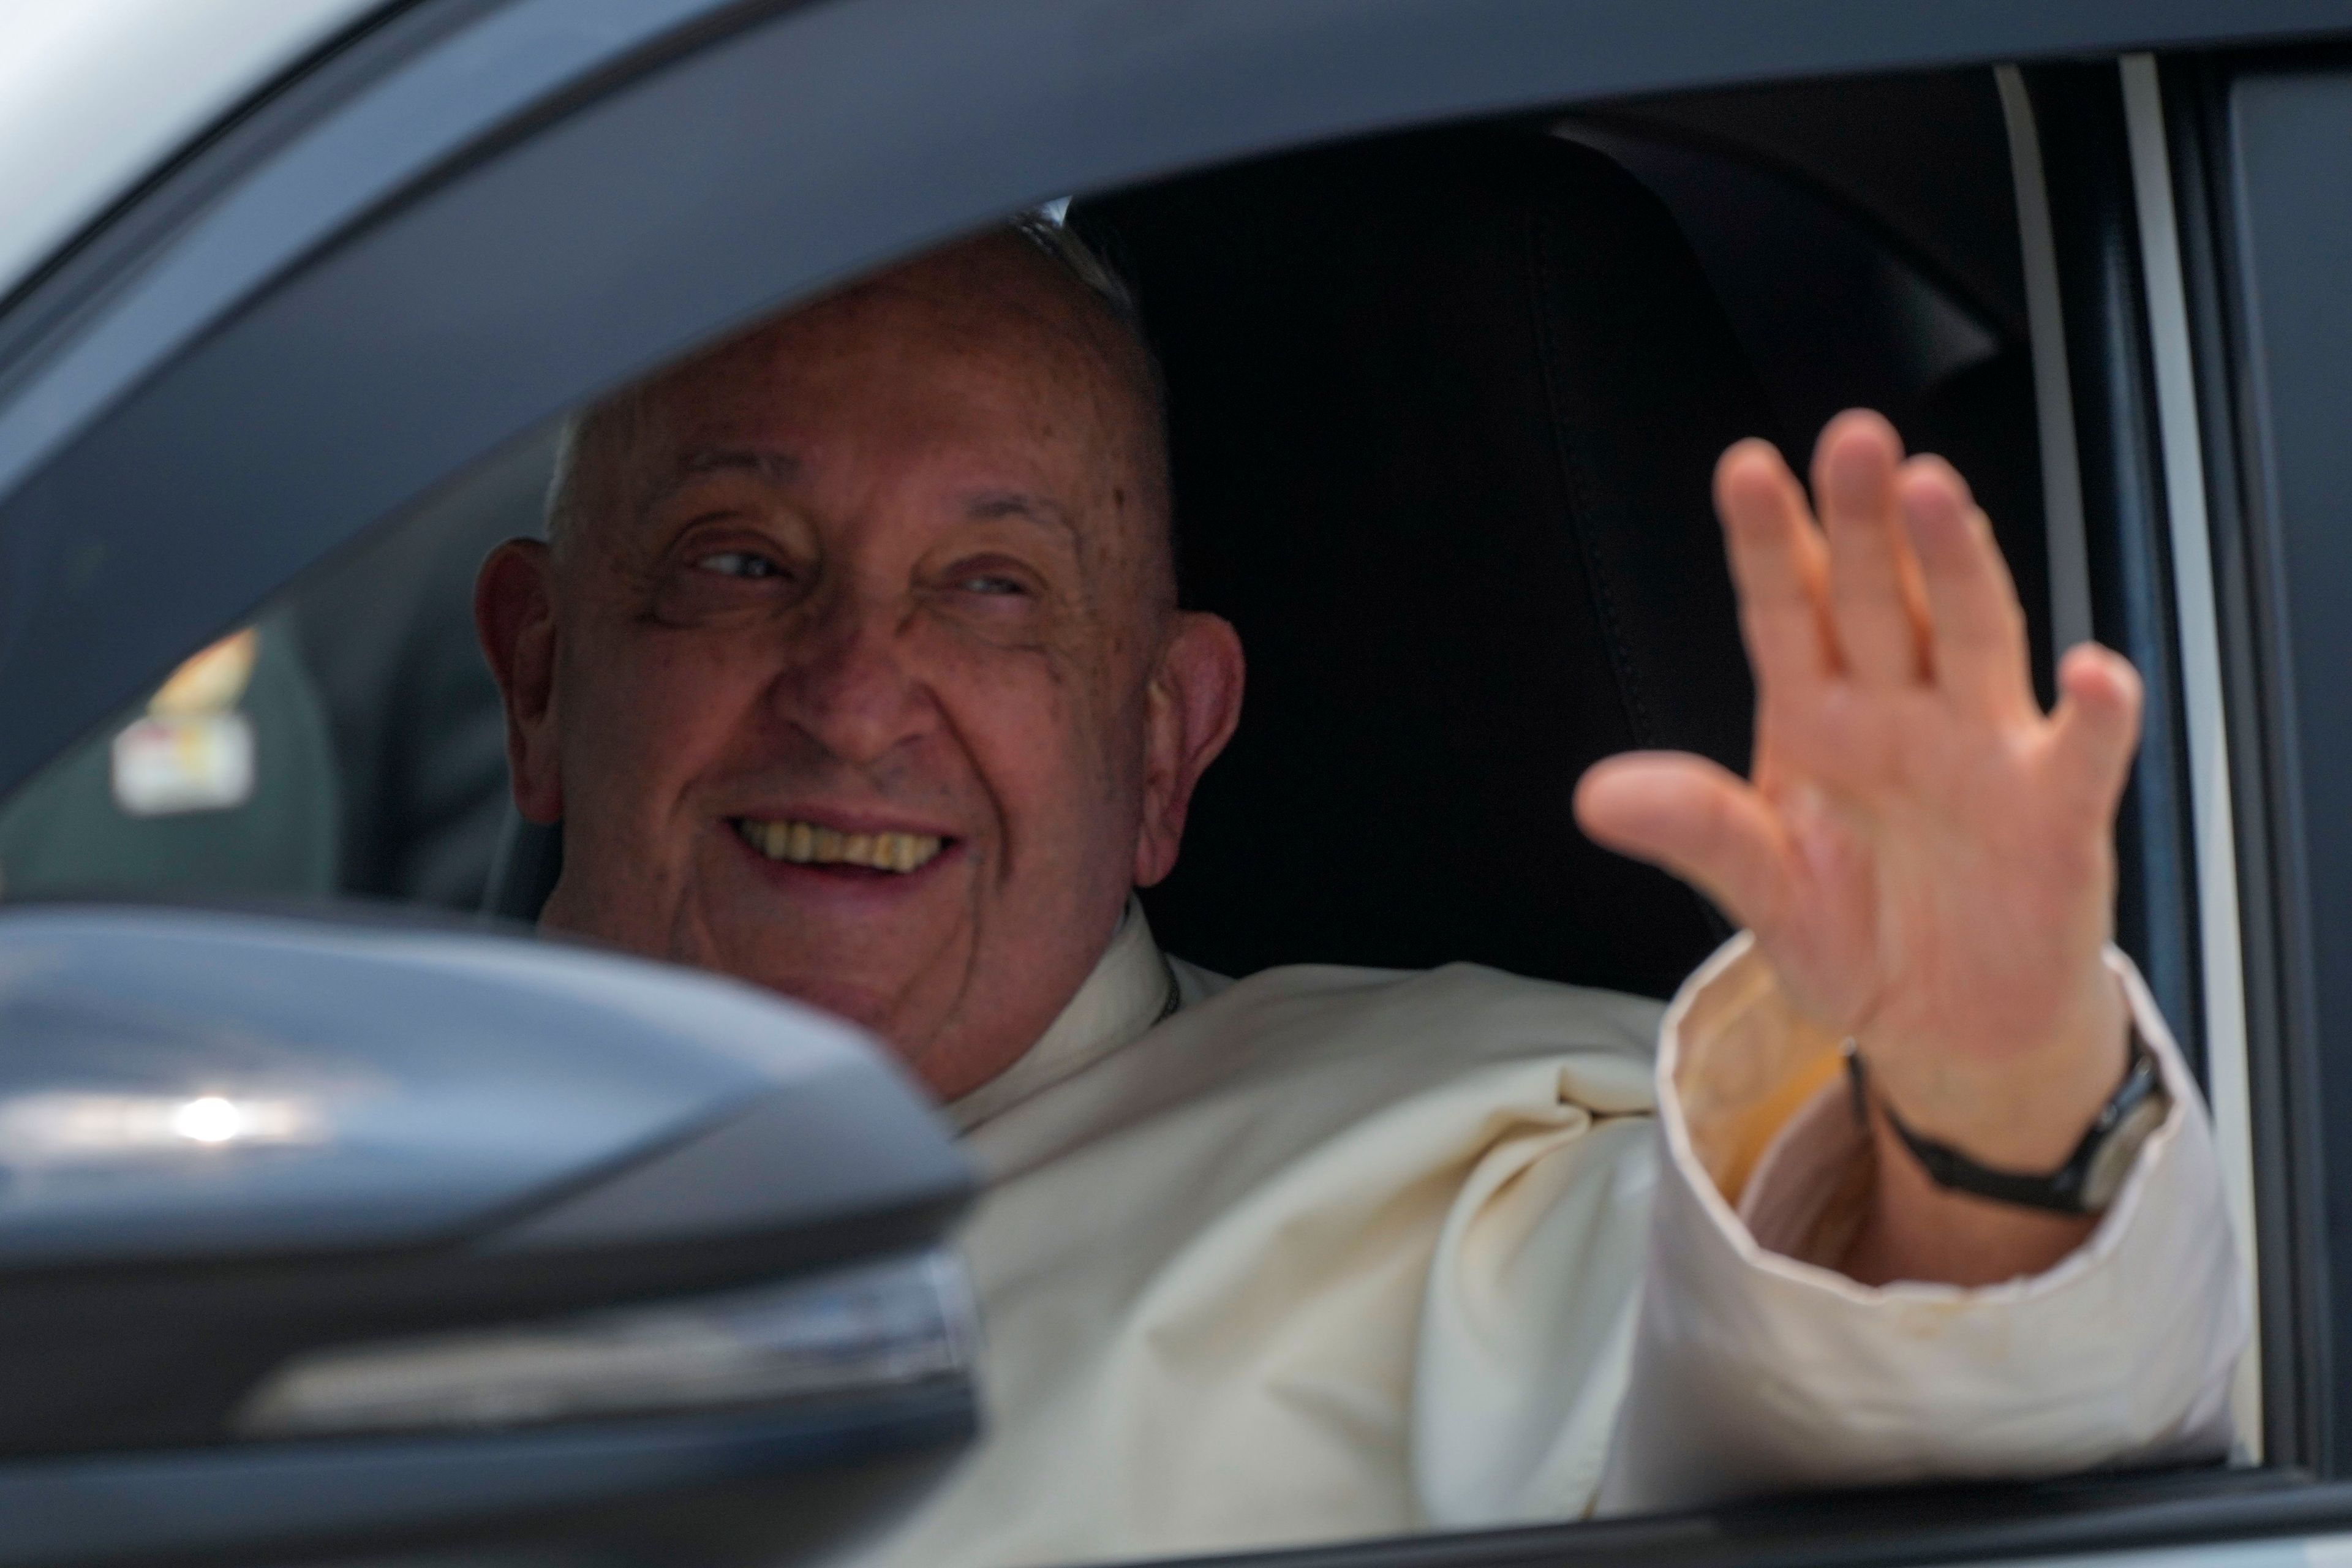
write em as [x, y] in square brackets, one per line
[856, 671]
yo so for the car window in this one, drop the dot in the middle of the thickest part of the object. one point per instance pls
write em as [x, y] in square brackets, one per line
[222, 783]
[348, 742]
[373, 711]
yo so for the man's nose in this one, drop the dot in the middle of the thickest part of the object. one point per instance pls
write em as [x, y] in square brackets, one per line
[850, 684]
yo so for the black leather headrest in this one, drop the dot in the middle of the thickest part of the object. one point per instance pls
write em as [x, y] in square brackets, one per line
[1445, 410]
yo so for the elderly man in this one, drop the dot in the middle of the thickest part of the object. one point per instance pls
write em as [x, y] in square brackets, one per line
[854, 666]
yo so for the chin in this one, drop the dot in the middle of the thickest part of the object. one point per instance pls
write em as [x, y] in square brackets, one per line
[871, 1006]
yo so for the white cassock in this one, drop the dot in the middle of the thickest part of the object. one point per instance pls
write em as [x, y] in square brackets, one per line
[1331, 1253]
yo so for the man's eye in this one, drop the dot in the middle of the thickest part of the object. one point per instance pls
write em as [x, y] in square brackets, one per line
[990, 583]
[739, 563]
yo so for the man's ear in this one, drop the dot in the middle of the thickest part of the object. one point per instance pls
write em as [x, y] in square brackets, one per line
[514, 616]
[1196, 701]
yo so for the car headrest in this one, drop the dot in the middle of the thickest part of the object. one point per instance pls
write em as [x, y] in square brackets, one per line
[1445, 410]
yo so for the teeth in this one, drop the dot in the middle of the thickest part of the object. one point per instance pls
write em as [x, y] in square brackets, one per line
[805, 844]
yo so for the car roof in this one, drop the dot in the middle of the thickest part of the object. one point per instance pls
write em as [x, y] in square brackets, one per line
[98, 95]
[95, 95]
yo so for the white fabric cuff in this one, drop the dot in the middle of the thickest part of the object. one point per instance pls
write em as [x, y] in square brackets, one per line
[1754, 1370]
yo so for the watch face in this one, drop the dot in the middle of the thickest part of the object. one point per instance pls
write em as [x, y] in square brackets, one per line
[2121, 1147]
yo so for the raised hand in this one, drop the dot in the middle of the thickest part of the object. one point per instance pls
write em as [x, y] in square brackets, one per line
[1925, 858]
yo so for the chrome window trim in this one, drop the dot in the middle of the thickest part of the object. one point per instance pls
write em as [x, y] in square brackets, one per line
[2228, 1088]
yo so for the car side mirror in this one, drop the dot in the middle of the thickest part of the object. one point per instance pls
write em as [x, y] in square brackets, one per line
[321, 1234]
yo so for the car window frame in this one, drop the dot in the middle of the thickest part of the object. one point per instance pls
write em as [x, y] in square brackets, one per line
[270, 308]
[2293, 864]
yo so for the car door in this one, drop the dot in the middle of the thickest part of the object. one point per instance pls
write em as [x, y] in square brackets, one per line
[411, 253]
[2261, 329]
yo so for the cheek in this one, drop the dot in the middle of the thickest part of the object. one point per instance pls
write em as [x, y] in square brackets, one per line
[648, 711]
[1058, 751]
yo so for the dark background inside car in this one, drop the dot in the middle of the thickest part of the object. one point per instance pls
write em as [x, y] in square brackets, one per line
[1443, 411]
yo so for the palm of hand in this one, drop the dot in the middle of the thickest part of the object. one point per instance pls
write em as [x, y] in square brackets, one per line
[1923, 856]
[1941, 888]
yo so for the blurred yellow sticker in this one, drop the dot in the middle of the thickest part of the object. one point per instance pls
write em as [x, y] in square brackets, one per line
[183, 763]
[210, 681]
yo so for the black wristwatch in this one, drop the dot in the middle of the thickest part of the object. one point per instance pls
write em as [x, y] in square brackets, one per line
[2092, 1175]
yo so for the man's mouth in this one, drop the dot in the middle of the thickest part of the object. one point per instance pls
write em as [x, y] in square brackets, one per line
[805, 844]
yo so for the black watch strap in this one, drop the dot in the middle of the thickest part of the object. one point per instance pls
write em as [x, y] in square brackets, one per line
[2092, 1174]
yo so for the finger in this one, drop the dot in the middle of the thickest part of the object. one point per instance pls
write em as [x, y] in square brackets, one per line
[1695, 818]
[1778, 564]
[1977, 631]
[2095, 729]
[1876, 605]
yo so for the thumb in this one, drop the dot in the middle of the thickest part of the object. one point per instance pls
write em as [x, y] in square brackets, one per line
[1695, 818]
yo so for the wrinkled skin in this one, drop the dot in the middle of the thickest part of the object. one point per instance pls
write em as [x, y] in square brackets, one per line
[898, 562]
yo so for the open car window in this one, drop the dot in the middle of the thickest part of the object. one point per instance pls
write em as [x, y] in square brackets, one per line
[346, 741]
[361, 752]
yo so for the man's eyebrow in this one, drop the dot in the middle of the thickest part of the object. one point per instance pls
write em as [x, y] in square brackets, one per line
[1041, 510]
[776, 467]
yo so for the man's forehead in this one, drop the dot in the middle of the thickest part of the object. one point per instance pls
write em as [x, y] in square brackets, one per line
[983, 372]
[981, 340]
[994, 301]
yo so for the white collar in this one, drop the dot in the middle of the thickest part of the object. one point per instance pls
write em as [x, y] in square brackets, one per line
[1132, 989]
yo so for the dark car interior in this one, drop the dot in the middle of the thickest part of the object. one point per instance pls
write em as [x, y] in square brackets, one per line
[1443, 410]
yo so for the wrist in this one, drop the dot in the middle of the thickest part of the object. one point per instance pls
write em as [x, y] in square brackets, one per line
[2009, 1105]
[2093, 1172]
[1916, 1230]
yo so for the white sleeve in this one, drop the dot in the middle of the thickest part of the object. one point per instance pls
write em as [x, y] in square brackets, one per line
[1755, 1372]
